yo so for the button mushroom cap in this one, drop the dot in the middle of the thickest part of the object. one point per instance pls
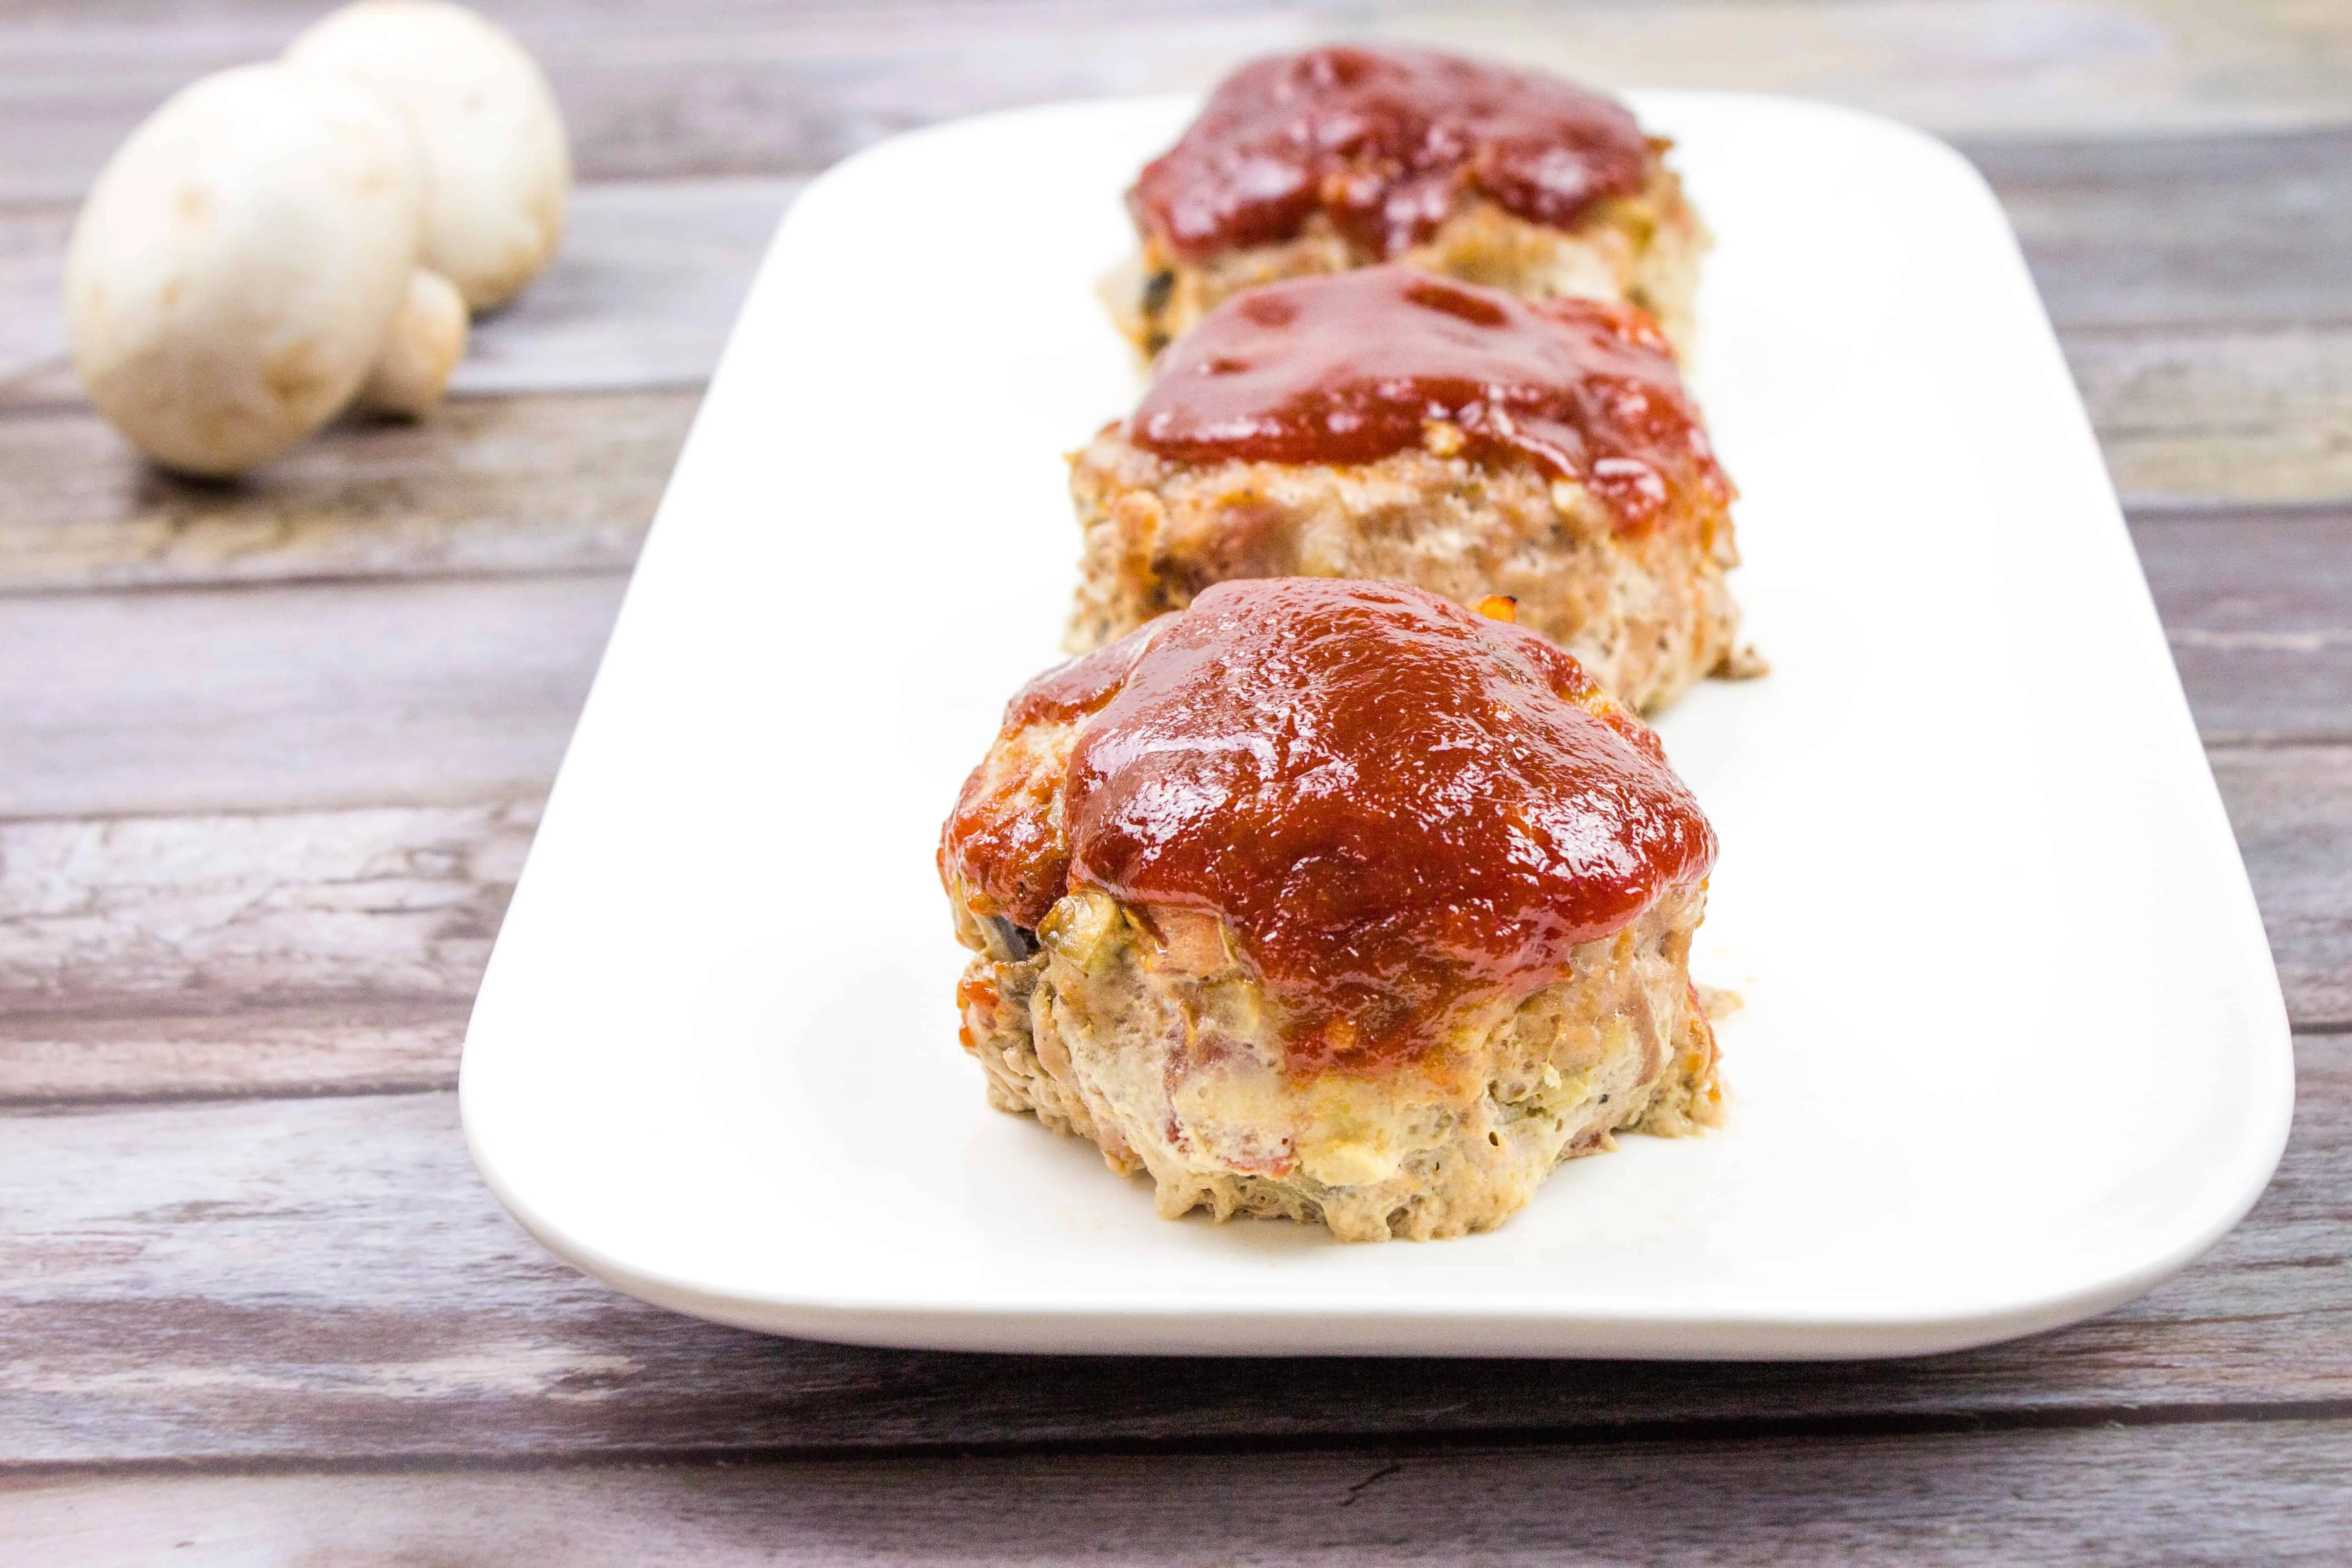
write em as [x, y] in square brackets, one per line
[497, 172]
[238, 268]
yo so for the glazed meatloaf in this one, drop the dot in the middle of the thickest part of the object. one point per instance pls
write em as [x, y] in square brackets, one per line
[1389, 424]
[1333, 900]
[1338, 158]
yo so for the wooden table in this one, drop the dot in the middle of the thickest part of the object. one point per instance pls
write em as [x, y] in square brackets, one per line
[270, 756]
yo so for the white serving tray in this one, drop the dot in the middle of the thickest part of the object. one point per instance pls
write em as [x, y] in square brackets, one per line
[2013, 1049]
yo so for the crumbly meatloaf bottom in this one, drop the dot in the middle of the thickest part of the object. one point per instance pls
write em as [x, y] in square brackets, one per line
[1648, 614]
[1141, 1032]
[1644, 249]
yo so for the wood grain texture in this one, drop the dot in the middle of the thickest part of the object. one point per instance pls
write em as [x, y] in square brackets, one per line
[719, 86]
[32, 283]
[2257, 603]
[2222, 415]
[299, 952]
[642, 293]
[491, 485]
[2291, 808]
[288, 695]
[314, 1279]
[2249, 230]
[2224, 1493]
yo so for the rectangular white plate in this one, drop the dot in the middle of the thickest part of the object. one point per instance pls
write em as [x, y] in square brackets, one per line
[2012, 1050]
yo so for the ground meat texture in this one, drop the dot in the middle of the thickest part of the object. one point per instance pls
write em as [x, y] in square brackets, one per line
[1643, 249]
[1105, 1033]
[1389, 424]
[1648, 613]
[1330, 900]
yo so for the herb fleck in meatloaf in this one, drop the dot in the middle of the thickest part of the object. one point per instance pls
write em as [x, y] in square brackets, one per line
[1340, 158]
[1387, 424]
[1332, 901]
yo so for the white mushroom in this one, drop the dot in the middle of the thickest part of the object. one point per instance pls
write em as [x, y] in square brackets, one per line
[491, 144]
[241, 263]
[426, 341]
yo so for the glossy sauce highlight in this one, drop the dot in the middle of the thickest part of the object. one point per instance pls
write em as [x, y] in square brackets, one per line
[1400, 808]
[1385, 142]
[1353, 366]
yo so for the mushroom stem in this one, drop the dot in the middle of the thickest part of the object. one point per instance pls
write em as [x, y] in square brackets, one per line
[425, 343]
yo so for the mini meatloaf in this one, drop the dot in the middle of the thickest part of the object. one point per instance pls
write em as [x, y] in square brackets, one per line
[1336, 901]
[1390, 423]
[1343, 157]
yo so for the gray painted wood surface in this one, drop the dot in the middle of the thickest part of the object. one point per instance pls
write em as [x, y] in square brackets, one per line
[2222, 1494]
[270, 754]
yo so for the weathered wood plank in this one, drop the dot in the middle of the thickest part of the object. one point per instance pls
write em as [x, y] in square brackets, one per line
[246, 699]
[2217, 1493]
[491, 485]
[2256, 416]
[221, 955]
[2244, 231]
[123, 1049]
[314, 1279]
[213, 910]
[642, 293]
[1969, 67]
[2292, 809]
[32, 311]
[722, 87]
[2258, 606]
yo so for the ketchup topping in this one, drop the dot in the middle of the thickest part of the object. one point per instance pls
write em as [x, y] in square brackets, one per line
[1386, 142]
[1399, 808]
[1350, 367]
[1005, 837]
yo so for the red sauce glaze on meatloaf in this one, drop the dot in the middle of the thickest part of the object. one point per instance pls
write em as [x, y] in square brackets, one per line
[1352, 366]
[1386, 142]
[1400, 808]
